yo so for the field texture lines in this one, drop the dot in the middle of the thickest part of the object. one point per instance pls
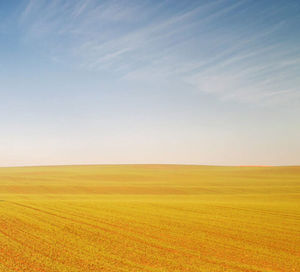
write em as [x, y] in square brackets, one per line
[149, 218]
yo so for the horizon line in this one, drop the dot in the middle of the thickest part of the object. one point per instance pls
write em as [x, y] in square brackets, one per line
[141, 164]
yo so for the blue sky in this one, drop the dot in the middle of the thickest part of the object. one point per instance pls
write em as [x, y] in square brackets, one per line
[201, 82]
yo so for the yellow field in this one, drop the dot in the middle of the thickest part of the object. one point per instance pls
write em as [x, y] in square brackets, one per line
[150, 218]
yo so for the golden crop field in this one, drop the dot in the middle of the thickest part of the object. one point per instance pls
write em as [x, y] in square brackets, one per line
[149, 218]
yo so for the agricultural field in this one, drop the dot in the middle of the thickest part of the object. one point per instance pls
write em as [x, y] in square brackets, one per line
[149, 218]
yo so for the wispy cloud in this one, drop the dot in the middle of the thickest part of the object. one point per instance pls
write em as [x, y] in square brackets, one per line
[222, 48]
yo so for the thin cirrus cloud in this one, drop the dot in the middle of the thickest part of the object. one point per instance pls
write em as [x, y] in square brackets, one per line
[232, 50]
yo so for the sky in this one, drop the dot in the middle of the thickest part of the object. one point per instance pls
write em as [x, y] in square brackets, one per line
[110, 82]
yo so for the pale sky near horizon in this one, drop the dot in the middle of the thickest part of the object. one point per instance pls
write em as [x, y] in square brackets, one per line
[199, 82]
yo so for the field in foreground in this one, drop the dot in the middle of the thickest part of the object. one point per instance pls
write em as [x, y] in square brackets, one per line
[149, 218]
